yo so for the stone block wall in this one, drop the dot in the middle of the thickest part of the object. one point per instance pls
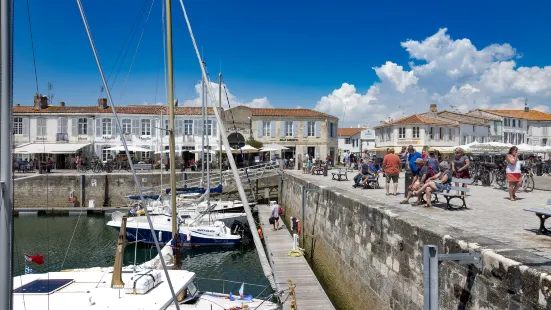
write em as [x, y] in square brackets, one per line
[369, 255]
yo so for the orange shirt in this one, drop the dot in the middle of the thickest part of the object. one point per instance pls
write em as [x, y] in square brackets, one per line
[391, 162]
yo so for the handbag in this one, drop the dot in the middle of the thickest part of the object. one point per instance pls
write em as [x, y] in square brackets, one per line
[272, 220]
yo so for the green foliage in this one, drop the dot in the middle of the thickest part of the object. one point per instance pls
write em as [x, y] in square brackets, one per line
[254, 143]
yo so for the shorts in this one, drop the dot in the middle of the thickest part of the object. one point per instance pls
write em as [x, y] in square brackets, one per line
[442, 187]
[513, 177]
[462, 174]
[393, 177]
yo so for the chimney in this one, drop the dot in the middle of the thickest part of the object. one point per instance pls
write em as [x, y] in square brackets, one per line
[18, 105]
[40, 102]
[102, 103]
[434, 107]
[62, 104]
[526, 107]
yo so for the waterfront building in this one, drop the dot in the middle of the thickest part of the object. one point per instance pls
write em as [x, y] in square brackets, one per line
[521, 126]
[355, 139]
[61, 131]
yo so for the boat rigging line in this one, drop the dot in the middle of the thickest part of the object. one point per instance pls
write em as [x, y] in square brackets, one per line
[123, 139]
[258, 243]
[32, 46]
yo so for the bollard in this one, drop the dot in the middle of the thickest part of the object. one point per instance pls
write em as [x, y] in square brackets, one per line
[407, 181]
[539, 169]
[325, 168]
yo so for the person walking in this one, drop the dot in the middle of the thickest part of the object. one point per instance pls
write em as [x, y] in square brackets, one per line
[391, 168]
[403, 158]
[276, 211]
[347, 160]
[513, 172]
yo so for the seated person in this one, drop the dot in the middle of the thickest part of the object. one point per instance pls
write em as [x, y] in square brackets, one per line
[362, 172]
[374, 167]
[424, 172]
[438, 183]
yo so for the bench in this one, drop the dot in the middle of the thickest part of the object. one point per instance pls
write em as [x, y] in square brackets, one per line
[542, 214]
[143, 166]
[317, 169]
[340, 175]
[461, 192]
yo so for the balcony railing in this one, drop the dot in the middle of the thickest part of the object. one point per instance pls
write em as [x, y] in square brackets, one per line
[62, 137]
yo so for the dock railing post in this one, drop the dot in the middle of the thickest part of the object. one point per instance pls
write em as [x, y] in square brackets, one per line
[305, 191]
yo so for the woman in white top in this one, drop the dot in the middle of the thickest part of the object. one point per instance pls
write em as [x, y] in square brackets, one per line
[513, 172]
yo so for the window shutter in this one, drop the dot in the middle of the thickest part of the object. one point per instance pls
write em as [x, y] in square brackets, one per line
[98, 127]
[74, 127]
[295, 128]
[135, 127]
[115, 127]
[282, 128]
[318, 129]
[178, 129]
[273, 129]
[334, 130]
[153, 124]
[59, 125]
[214, 123]
[196, 128]
[317, 152]
[304, 129]
[25, 126]
[260, 128]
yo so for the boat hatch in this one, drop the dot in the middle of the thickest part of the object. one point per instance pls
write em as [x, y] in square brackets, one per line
[43, 286]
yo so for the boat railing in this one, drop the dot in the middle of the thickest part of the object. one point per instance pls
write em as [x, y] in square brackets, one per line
[227, 286]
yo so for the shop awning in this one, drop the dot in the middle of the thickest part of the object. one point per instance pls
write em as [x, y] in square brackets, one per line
[49, 148]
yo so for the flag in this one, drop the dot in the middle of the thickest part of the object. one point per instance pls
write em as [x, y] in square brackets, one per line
[37, 259]
[28, 270]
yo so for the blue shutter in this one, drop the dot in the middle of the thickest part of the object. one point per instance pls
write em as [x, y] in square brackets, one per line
[98, 127]
[304, 129]
[318, 129]
[282, 128]
[273, 129]
[260, 128]
[295, 128]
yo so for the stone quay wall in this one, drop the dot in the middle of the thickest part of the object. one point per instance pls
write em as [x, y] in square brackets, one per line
[106, 189]
[368, 255]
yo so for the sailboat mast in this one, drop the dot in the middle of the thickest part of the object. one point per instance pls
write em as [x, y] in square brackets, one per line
[202, 132]
[219, 131]
[6, 211]
[171, 138]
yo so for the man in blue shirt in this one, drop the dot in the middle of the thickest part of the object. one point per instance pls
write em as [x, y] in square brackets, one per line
[374, 167]
[412, 156]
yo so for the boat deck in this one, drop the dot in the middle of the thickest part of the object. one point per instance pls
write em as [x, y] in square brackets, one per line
[309, 293]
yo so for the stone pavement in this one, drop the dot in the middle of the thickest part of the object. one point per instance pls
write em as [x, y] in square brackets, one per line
[491, 216]
[543, 183]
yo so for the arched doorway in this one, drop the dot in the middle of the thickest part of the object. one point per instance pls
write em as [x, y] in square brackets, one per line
[236, 140]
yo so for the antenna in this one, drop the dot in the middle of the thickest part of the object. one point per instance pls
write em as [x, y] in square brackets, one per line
[50, 95]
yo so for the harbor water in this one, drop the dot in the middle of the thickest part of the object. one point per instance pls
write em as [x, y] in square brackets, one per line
[93, 245]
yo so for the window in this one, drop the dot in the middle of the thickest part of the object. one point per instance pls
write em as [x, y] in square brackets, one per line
[167, 132]
[126, 126]
[208, 127]
[17, 125]
[146, 127]
[346, 140]
[431, 135]
[505, 136]
[311, 129]
[105, 153]
[62, 124]
[267, 129]
[474, 129]
[401, 133]
[106, 126]
[545, 131]
[415, 132]
[450, 133]
[514, 122]
[465, 139]
[288, 129]
[495, 127]
[41, 127]
[544, 141]
[519, 123]
[82, 126]
[441, 133]
[188, 127]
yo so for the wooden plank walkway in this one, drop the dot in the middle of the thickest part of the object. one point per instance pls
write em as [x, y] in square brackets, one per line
[309, 293]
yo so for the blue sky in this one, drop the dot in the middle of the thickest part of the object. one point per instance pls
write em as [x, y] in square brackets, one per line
[292, 52]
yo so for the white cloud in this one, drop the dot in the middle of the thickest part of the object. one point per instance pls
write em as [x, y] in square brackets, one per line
[446, 71]
[196, 102]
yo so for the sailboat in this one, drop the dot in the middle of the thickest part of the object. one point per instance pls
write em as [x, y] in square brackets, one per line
[113, 287]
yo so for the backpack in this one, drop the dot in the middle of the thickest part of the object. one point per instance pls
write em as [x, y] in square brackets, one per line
[280, 210]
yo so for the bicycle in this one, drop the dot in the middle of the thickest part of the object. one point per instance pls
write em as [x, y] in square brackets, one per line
[527, 181]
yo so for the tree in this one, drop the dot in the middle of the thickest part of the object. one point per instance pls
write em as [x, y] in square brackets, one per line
[254, 143]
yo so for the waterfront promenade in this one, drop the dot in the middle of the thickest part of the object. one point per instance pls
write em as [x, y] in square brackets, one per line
[491, 217]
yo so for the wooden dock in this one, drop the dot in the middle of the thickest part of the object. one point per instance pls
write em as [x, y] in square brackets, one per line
[309, 293]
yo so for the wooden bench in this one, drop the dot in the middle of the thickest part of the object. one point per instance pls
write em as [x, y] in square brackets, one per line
[340, 175]
[317, 169]
[461, 192]
[143, 166]
[542, 214]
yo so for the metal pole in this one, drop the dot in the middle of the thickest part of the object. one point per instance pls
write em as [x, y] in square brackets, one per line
[430, 277]
[202, 132]
[6, 97]
[220, 131]
[303, 211]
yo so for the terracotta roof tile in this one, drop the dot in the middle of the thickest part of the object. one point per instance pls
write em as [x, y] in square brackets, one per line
[349, 131]
[532, 115]
[418, 119]
[460, 117]
[131, 109]
[288, 112]
[487, 117]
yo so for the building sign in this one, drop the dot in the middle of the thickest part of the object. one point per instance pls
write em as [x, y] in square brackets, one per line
[41, 138]
[108, 137]
[145, 138]
[368, 134]
[412, 142]
[82, 138]
[289, 140]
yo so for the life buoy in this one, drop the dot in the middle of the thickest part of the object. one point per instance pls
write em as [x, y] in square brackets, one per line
[72, 197]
